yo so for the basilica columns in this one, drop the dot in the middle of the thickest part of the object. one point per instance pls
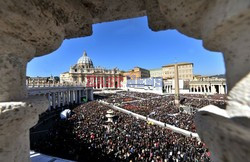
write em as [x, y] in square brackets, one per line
[118, 82]
[114, 81]
[109, 80]
[104, 82]
[96, 82]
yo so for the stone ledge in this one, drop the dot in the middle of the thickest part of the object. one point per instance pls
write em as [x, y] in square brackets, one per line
[227, 140]
[14, 112]
[16, 120]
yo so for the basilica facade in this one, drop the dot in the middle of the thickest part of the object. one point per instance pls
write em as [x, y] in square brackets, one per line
[99, 78]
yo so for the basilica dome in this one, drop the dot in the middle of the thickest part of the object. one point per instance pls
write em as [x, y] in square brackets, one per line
[85, 61]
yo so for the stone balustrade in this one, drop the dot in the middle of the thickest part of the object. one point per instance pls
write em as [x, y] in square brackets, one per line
[30, 85]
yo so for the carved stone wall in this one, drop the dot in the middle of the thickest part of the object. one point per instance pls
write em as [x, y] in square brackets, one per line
[33, 28]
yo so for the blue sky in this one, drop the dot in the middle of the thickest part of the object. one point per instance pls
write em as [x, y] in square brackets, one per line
[126, 44]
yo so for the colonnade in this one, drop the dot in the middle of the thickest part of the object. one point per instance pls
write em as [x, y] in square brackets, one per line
[206, 88]
[61, 96]
[168, 88]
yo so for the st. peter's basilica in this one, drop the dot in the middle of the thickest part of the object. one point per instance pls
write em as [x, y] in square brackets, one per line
[85, 72]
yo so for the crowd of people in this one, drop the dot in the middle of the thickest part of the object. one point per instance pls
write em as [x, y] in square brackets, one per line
[87, 136]
[162, 108]
[130, 139]
[199, 101]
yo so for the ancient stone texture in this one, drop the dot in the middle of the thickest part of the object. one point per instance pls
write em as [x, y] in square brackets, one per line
[156, 19]
[228, 140]
[37, 27]
[13, 77]
[16, 119]
[185, 16]
[45, 23]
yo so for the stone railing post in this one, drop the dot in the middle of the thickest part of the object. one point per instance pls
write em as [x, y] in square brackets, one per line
[12, 82]
[226, 28]
[18, 112]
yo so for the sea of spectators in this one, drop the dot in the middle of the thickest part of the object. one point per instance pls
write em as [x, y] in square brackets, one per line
[162, 107]
[129, 139]
[87, 136]
[199, 101]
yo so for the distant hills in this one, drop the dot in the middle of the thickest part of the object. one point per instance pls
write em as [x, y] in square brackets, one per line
[219, 76]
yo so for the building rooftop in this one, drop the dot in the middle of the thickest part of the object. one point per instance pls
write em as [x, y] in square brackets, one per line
[155, 69]
[181, 63]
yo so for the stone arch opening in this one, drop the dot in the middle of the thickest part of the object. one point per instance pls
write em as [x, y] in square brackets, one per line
[222, 25]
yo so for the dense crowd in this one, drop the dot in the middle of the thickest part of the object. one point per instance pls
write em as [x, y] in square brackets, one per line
[199, 101]
[129, 139]
[87, 136]
[162, 107]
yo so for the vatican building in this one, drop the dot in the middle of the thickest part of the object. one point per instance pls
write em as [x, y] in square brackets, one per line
[85, 73]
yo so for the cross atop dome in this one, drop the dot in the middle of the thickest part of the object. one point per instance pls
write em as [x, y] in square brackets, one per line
[84, 53]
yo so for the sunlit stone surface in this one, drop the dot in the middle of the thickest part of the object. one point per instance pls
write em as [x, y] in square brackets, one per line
[35, 28]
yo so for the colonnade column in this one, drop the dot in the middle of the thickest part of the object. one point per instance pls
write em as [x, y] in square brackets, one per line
[68, 97]
[79, 96]
[63, 98]
[213, 89]
[222, 89]
[75, 96]
[53, 100]
[48, 98]
[71, 97]
[58, 99]
[87, 94]
[168, 89]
